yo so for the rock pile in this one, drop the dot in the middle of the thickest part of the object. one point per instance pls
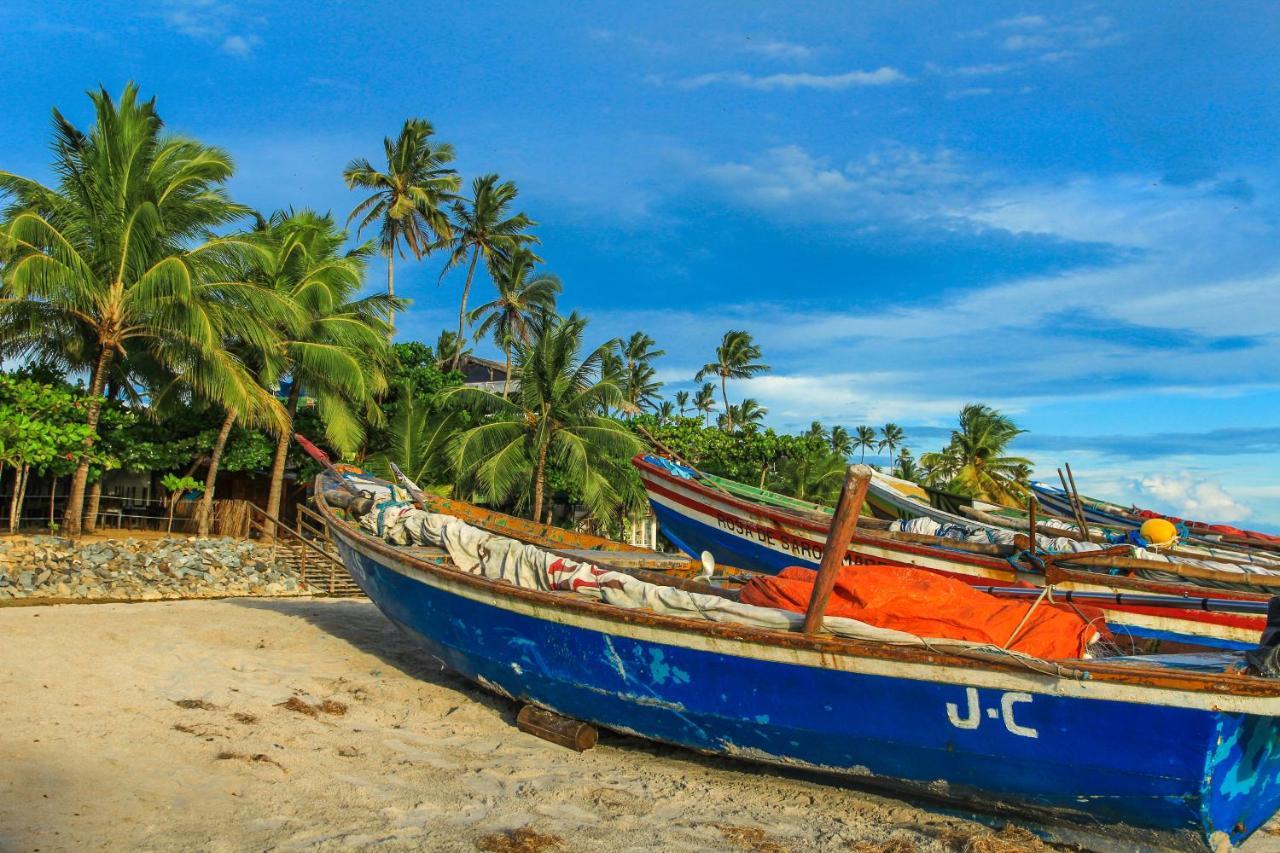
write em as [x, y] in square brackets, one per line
[143, 569]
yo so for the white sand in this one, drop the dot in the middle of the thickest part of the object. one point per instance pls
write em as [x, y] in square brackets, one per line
[92, 758]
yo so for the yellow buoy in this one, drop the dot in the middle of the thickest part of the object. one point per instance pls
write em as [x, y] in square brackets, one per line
[1159, 531]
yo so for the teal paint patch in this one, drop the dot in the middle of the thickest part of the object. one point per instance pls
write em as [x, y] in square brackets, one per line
[661, 672]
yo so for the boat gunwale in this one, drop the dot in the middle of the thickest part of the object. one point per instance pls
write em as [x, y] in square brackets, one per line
[781, 517]
[1077, 670]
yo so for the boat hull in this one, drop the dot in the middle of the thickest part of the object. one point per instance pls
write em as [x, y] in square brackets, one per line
[1185, 768]
[750, 536]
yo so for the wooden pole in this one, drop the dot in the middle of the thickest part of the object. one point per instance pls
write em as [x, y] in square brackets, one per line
[1075, 495]
[1075, 509]
[1031, 527]
[843, 524]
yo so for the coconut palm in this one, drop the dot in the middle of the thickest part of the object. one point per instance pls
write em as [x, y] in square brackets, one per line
[704, 402]
[551, 422]
[251, 343]
[817, 430]
[864, 439]
[107, 262]
[682, 401]
[523, 296]
[665, 411]
[841, 443]
[813, 477]
[419, 443]
[737, 357]
[450, 350]
[639, 386]
[409, 198]
[337, 349]
[974, 462]
[484, 227]
[906, 467]
[747, 415]
[891, 436]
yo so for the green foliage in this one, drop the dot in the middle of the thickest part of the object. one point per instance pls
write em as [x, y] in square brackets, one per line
[484, 228]
[42, 426]
[550, 430]
[737, 357]
[179, 485]
[974, 462]
[418, 442]
[741, 456]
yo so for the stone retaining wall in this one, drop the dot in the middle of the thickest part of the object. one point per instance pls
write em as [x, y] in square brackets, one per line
[53, 567]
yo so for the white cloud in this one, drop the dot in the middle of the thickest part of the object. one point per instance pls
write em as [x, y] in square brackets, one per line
[970, 92]
[238, 45]
[214, 22]
[894, 181]
[984, 69]
[1060, 38]
[783, 50]
[1193, 497]
[1023, 22]
[789, 82]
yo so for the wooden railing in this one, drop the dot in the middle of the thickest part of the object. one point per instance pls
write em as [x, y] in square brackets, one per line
[325, 563]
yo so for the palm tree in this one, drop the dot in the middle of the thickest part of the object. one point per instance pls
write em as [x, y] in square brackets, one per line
[107, 261]
[337, 349]
[552, 421]
[682, 401]
[522, 297]
[892, 436]
[484, 227]
[864, 439]
[748, 414]
[813, 477]
[639, 386]
[704, 401]
[665, 411]
[737, 357]
[419, 442]
[907, 469]
[408, 199]
[817, 430]
[450, 350]
[841, 443]
[973, 463]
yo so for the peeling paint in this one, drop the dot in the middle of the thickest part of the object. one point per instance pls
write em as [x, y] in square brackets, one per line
[661, 672]
[614, 658]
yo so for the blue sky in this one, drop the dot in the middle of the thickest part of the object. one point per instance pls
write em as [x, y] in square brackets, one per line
[1067, 210]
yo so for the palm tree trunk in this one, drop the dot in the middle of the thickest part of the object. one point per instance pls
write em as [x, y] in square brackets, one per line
[282, 452]
[205, 510]
[724, 394]
[75, 500]
[95, 501]
[539, 481]
[506, 377]
[462, 308]
[391, 292]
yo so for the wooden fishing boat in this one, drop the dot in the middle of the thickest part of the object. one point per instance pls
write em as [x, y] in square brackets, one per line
[696, 517]
[1177, 751]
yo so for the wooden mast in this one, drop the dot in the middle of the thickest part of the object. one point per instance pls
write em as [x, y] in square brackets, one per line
[843, 524]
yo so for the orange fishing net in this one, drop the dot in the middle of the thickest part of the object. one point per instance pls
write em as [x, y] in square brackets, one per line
[931, 605]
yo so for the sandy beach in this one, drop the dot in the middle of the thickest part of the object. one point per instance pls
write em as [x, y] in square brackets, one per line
[264, 724]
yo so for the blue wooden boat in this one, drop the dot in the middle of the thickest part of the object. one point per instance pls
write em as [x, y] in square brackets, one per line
[1179, 751]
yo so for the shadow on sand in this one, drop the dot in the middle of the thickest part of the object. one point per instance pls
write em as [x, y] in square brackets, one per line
[359, 622]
